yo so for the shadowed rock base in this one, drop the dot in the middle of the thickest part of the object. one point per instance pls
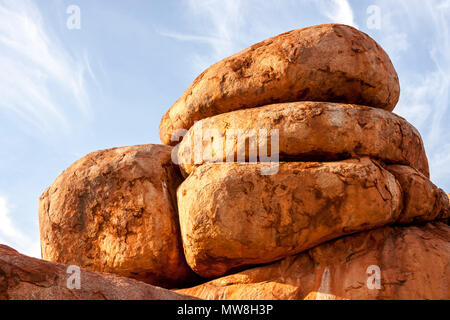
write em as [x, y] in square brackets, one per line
[25, 278]
[413, 262]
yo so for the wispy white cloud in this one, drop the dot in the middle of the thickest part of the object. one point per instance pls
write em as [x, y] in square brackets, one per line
[230, 26]
[398, 44]
[225, 22]
[13, 236]
[220, 25]
[43, 80]
[425, 85]
[195, 38]
[338, 11]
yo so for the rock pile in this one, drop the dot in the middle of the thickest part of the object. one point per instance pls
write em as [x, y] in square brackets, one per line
[284, 175]
[344, 167]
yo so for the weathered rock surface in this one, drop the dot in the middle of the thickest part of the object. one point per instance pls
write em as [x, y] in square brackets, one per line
[446, 213]
[422, 200]
[232, 216]
[115, 211]
[308, 131]
[25, 278]
[413, 260]
[331, 62]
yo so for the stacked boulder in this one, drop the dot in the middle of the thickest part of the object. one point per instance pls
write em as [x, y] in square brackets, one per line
[115, 211]
[270, 156]
[347, 164]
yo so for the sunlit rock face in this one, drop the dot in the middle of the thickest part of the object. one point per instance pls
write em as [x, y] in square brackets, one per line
[115, 211]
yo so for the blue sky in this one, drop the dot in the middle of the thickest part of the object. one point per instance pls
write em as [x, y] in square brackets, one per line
[65, 93]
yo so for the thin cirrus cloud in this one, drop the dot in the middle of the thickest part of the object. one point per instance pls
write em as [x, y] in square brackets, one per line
[44, 81]
[229, 26]
[338, 11]
[223, 20]
[423, 28]
[12, 235]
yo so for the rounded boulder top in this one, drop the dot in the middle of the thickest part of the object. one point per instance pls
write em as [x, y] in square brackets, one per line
[330, 62]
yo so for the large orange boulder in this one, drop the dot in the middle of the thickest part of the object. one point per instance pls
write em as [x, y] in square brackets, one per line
[387, 263]
[115, 211]
[307, 131]
[422, 200]
[231, 216]
[25, 278]
[331, 62]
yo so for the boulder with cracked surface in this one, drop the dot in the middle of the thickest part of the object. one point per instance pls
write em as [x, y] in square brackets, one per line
[232, 217]
[115, 211]
[422, 200]
[446, 212]
[330, 62]
[25, 278]
[307, 131]
[412, 260]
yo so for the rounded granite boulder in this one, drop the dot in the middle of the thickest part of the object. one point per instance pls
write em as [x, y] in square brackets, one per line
[422, 199]
[115, 211]
[231, 216]
[330, 62]
[307, 131]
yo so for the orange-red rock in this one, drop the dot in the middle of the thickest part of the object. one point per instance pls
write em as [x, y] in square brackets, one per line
[422, 200]
[308, 131]
[330, 62]
[446, 213]
[25, 278]
[232, 216]
[413, 262]
[322, 296]
[115, 211]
